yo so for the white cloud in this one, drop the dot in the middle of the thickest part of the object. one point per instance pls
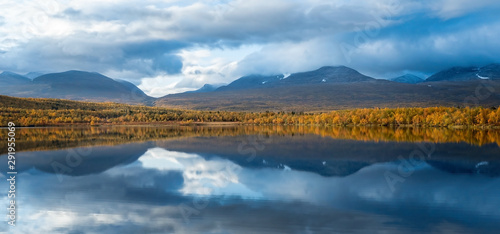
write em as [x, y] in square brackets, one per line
[162, 85]
[447, 9]
[200, 66]
[201, 176]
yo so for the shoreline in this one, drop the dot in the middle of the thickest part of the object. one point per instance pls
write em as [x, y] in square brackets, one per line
[230, 124]
[137, 124]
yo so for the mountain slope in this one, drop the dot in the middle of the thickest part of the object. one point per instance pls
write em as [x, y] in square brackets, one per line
[331, 88]
[339, 74]
[76, 85]
[33, 75]
[327, 88]
[328, 74]
[132, 87]
[250, 82]
[321, 97]
[491, 72]
[205, 88]
[10, 79]
[407, 78]
[455, 74]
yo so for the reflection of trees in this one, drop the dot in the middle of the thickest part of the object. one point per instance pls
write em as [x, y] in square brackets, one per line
[63, 137]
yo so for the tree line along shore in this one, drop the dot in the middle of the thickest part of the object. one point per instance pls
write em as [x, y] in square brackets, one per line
[52, 112]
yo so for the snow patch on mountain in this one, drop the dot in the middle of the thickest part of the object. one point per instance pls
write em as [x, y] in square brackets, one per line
[482, 77]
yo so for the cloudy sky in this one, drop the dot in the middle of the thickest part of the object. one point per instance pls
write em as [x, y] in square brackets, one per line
[173, 46]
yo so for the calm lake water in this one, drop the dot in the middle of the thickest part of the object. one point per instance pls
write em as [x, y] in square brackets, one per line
[254, 179]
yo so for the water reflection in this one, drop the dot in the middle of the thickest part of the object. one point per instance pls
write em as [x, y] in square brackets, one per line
[294, 184]
[35, 139]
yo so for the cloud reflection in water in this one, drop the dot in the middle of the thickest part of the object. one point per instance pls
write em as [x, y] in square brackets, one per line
[144, 196]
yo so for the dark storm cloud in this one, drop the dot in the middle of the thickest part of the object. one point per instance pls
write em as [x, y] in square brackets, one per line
[169, 63]
[428, 44]
[70, 12]
[391, 42]
[151, 49]
[85, 53]
[161, 52]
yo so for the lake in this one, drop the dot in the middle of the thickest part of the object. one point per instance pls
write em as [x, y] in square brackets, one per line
[249, 179]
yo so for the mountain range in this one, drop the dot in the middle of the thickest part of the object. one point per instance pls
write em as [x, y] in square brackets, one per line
[327, 88]
[205, 88]
[330, 88]
[73, 85]
[408, 78]
[491, 72]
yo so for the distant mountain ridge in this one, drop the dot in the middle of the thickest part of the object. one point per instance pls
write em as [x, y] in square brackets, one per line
[73, 85]
[326, 88]
[327, 74]
[491, 71]
[205, 88]
[33, 75]
[408, 78]
[10, 78]
[340, 87]
[342, 74]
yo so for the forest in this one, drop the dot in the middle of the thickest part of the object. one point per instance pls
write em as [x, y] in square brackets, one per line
[51, 112]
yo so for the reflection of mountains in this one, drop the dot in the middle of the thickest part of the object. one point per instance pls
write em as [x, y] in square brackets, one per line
[489, 168]
[331, 157]
[345, 168]
[312, 153]
[31, 139]
[80, 161]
